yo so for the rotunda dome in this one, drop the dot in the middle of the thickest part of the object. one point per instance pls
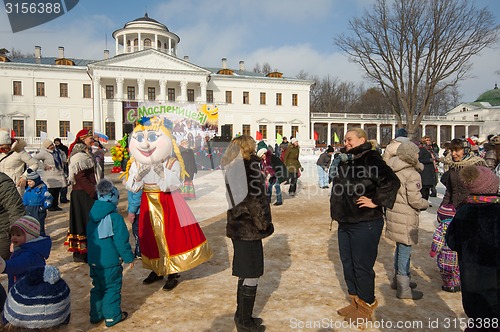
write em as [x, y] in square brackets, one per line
[490, 96]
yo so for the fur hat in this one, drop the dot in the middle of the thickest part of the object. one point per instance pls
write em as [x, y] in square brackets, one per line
[479, 180]
[31, 174]
[330, 149]
[445, 212]
[107, 192]
[46, 143]
[39, 300]
[293, 140]
[401, 132]
[261, 152]
[408, 152]
[5, 138]
[495, 139]
[29, 225]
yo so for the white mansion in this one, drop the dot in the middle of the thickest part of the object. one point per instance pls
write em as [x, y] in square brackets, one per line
[57, 95]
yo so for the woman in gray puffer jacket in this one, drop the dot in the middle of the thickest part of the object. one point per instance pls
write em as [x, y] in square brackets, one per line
[403, 219]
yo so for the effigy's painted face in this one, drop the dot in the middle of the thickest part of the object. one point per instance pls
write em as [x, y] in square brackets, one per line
[150, 147]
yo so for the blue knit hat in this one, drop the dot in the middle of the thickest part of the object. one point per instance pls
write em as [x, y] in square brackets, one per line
[39, 300]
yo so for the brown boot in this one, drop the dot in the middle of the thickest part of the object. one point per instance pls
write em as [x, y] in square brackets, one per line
[350, 308]
[362, 314]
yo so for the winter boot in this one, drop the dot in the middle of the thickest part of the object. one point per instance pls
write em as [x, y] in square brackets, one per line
[362, 314]
[244, 321]
[350, 308]
[257, 321]
[404, 291]
[394, 283]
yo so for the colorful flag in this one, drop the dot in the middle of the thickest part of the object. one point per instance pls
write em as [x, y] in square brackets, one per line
[335, 138]
[316, 136]
[258, 136]
[102, 137]
[279, 138]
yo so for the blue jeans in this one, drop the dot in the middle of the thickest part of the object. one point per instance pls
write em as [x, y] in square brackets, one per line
[135, 232]
[323, 177]
[402, 259]
[276, 184]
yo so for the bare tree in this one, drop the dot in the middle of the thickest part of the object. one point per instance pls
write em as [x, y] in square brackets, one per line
[417, 49]
[266, 68]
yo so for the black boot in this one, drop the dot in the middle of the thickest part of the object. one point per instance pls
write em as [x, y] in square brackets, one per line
[244, 321]
[172, 281]
[239, 294]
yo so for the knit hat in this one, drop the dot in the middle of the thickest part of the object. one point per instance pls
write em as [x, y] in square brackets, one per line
[261, 152]
[39, 300]
[46, 143]
[29, 225]
[408, 152]
[401, 132]
[31, 174]
[330, 149]
[479, 180]
[5, 138]
[107, 192]
[445, 211]
[293, 140]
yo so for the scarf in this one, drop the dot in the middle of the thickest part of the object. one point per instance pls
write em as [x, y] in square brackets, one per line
[467, 160]
[481, 199]
[80, 160]
[57, 159]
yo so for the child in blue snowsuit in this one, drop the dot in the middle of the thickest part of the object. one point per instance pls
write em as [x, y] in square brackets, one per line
[134, 204]
[30, 249]
[108, 248]
[37, 199]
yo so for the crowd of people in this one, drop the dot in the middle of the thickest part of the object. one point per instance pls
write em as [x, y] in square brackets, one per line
[369, 191]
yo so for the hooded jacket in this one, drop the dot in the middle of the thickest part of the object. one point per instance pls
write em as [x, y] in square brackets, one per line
[11, 208]
[366, 174]
[28, 255]
[109, 251]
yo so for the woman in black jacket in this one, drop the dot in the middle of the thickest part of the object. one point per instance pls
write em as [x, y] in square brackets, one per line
[248, 222]
[363, 185]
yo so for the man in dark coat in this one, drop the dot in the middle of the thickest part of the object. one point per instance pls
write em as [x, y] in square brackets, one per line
[323, 164]
[428, 159]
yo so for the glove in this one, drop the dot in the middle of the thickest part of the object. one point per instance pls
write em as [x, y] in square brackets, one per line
[142, 171]
[159, 168]
[345, 157]
[2, 265]
[432, 254]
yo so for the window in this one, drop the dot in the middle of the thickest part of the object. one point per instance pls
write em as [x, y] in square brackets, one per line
[110, 130]
[18, 127]
[295, 130]
[88, 125]
[41, 125]
[262, 98]
[263, 131]
[229, 97]
[131, 92]
[17, 88]
[86, 91]
[40, 89]
[246, 129]
[210, 96]
[63, 128]
[110, 91]
[63, 89]
[279, 130]
[278, 99]
[295, 99]
[151, 93]
[190, 95]
[246, 97]
[171, 94]
[147, 43]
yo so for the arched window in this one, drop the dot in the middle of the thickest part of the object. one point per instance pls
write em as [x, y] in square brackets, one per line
[136, 45]
[147, 43]
[128, 46]
[159, 45]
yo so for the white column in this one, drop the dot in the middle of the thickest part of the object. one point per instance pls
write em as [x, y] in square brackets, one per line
[117, 51]
[438, 135]
[466, 131]
[329, 133]
[156, 41]
[119, 88]
[163, 90]
[97, 104]
[140, 42]
[170, 46]
[140, 84]
[203, 92]
[424, 127]
[183, 85]
[378, 133]
[452, 131]
[393, 132]
[125, 49]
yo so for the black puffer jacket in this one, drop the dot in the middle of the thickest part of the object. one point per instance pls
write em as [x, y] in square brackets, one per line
[365, 175]
[249, 216]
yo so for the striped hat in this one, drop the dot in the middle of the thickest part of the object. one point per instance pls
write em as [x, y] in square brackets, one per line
[29, 225]
[41, 299]
[445, 212]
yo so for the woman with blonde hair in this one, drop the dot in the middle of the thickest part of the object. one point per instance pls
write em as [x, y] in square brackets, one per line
[248, 222]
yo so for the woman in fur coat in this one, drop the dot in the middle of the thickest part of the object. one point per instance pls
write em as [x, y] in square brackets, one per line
[248, 222]
[362, 186]
[403, 219]
[474, 234]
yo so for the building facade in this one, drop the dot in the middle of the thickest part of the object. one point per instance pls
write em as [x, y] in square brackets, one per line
[60, 96]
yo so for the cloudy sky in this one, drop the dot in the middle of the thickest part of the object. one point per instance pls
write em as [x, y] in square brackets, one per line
[291, 35]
